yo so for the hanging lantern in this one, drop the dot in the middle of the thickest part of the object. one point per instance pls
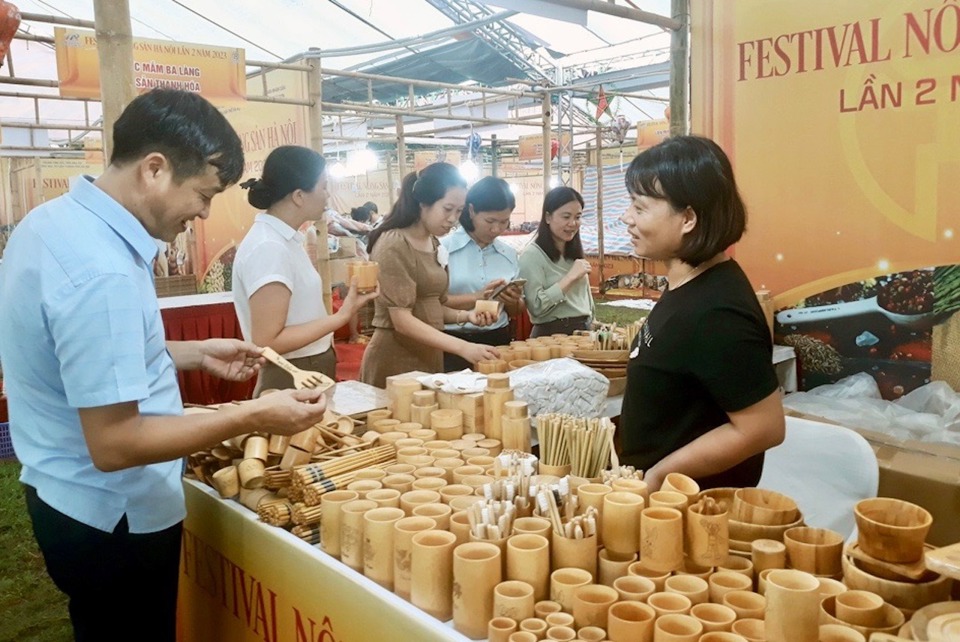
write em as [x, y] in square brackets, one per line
[474, 141]
[9, 23]
[554, 148]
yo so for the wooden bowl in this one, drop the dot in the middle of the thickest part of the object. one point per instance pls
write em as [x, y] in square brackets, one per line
[906, 596]
[814, 550]
[617, 386]
[893, 619]
[892, 530]
[519, 363]
[601, 355]
[746, 532]
[762, 506]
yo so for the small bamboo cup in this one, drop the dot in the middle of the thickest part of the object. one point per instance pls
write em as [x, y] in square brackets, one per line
[708, 537]
[767, 553]
[464, 502]
[399, 469]
[440, 513]
[351, 532]
[634, 587]
[629, 485]
[675, 627]
[714, 617]
[484, 461]
[495, 446]
[363, 486]
[746, 604]
[751, 629]
[737, 564]
[330, 505]
[429, 483]
[450, 491]
[256, 447]
[723, 582]
[563, 583]
[532, 525]
[817, 551]
[465, 471]
[620, 522]
[378, 532]
[892, 621]
[569, 552]
[487, 366]
[611, 566]
[250, 472]
[668, 499]
[476, 572]
[423, 415]
[392, 437]
[399, 482]
[658, 578]
[227, 482]
[513, 599]
[448, 422]
[592, 633]
[528, 560]
[375, 415]
[694, 588]
[448, 465]
[405, 530]
[689, 568]
[830, 586]
[861, 608]
[559, 618]
[384, 425]
[591, 604]
[560, 634]
[669, 603]
[460, 526]
[426, 434]
[661, 539]
[431, 572]
[840, 633]
[413, 498]
[543, 608]
[500, 628]
[524, 636]
[533, 626]
[793, 607]
[367, 273]
[680, 483]
[721, 636]
[414, 455]
[384, 497]
[630, 621]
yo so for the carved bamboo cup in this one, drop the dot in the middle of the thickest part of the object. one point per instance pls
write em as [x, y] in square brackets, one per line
[569, 552]
[476, 572]
[817, 551]
[677, 628]
[793, 607]
[714, 617]
[439, 513]
[661, 539]
[694, 588]
[250, 471]
[563, 583]
[591, 604]
[708, 537]
[404, 531]
[500, 628]
[634, 588]
[227, 482]
[533, 525]
[669, 603]
[612, 565]
[746, 604]
[331, 505]
[460, 527]
[513, 599]
[767, 553]
[621, 522]
[860, 608]
[630, 621]
[723, 582]
[431, 572]
[528, 560]
[378, 534]
[657, 577]
[351, 532]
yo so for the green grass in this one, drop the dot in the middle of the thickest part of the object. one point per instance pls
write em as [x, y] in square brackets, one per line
[31, 606]
[618, 315]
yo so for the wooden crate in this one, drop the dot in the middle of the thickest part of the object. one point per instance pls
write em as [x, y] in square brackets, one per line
[175, 285]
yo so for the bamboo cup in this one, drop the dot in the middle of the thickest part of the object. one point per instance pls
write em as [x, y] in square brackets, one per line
[528, 560]
[767, 553]
[612, 565]
[591, 604]
[629, 485]
[330, 505]
[402, 391]
[563, 583]
[431, 572]
[495, 446]
[465, 502]
[721, 636]
[592, 633]
[737, 564]
[367, 273]
[496, 394]
[483, 461]
[620, 523]
[423, 415]
[451, 491]
[524, 636]
[384, 497]
[752, 629]
[669, 603]
[661, 539]
[351, 532]
[500, 628]
[861, 608]
[440, 513]
[746, 604]
[680, 483]
[227, 482]
[416, 497]
[448, 465]
[488, 366]
[399, 482]
[378, 532]
[278, 444]
[723, 582]
[392, 437]
[658, 578]
[560, 634]
[668, 499]
[476, 572]
[386, 425]
[543, 608]
[762, 506]
[677, 628]
[513, 599]
[474, 451]
[559, 618]
[840, 633]
[250, 471]
[532, 525]
[256, 447]
[569, 552]
[460, 526]
[714, 617]
[399, 469]
[793, 607]
[830, 586]
[634, 587]
[252, 498]
[424, 398]
[892, 621]
[404, 531]
[694, 588]
[429, 483]
[426, 434]
[370, 473]
[375, 415]
[815, 550]
[689, 568]
[364, 486]
[708, 537]
[448, 423]
[533, 626]
[630, 621]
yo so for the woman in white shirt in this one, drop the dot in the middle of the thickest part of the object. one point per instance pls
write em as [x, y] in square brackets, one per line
[277, 291]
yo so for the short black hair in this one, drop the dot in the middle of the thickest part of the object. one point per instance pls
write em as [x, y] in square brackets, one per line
[554, 200]
[287, 169]
[694, 172]
[360, 214]
[370, 205]
[189, 131]
[489, 194]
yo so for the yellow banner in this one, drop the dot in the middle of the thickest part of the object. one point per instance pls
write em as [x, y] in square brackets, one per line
[423, 158]
[651, 132]
[531, 146]
[216, 73]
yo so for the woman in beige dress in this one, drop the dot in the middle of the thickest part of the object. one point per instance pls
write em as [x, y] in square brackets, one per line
[410, 312]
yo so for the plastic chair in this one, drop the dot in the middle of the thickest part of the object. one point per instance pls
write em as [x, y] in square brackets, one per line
[826, 469]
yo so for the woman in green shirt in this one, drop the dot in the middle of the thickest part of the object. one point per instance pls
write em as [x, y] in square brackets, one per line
[557, 291]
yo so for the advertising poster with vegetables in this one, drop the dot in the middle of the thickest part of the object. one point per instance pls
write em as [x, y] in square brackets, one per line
[842, 120]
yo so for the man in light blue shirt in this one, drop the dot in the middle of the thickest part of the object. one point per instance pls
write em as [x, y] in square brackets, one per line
[479, 263]
[95, 411]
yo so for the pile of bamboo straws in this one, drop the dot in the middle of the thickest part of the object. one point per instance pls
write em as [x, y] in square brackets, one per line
[585, 444]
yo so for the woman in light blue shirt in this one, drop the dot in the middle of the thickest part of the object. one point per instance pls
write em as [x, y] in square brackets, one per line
[479, 263]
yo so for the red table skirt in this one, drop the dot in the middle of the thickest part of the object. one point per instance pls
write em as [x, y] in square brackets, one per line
[218, 320]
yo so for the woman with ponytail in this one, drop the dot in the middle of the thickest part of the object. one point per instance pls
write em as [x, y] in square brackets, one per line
[411, 312]
[277, 291]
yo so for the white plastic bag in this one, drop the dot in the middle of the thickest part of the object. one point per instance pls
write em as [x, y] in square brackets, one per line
[561, 385]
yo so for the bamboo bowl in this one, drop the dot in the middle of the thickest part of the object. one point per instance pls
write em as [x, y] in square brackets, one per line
[893, 619]
[906, 596]
[892, 530]
[763, 507]
[747, 532]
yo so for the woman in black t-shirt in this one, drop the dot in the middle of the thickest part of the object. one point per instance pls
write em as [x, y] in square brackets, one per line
[702, 396]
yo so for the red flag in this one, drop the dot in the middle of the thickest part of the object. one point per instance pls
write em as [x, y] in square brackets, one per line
[602, 103]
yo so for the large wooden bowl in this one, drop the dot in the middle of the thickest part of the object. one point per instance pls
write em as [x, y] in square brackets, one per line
[893, 618]
[892, 530]
[762, 506]
[906, 596]
[746, 532]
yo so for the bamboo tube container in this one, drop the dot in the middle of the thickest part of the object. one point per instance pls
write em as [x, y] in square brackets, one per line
[750, 628]
[227, 482]
[569, 552]
[668, 499]
[451, 491]
[252, 498]
[817, 551]
[560, 634]
[497, 393]
[351, 532]
[513, 599]
[422, 415]
[424, 398]
[431, 572]
[521, 352]
[620, 521]
[404, 531]
[476, 572]
[500, 628]
[793, 607]
[540, 353]
[557, 618]
[714, 617]
[612, 565]
[533, 525]
[767, 553]
[675, 627]
[402, 483]
[251, 472]
[440, 513]
[460, 526]
[416, 497]
[256, 447]
[515, 426]
[332, 507]
[723, 582]
[680, 483]
[495, 446]
[528, 560]
[630, 621]
[384, 497]
[278, 444]
[657, 577]
[591, 604]
[378, 535]
[694, 588]
[447, 423]
[429, 483]
[669, 603]
[708, 536]
[634, 587]
[746, 604]
[533, 627]
[401, 391]
[661, 539]
[490, 366]
[563, 583]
